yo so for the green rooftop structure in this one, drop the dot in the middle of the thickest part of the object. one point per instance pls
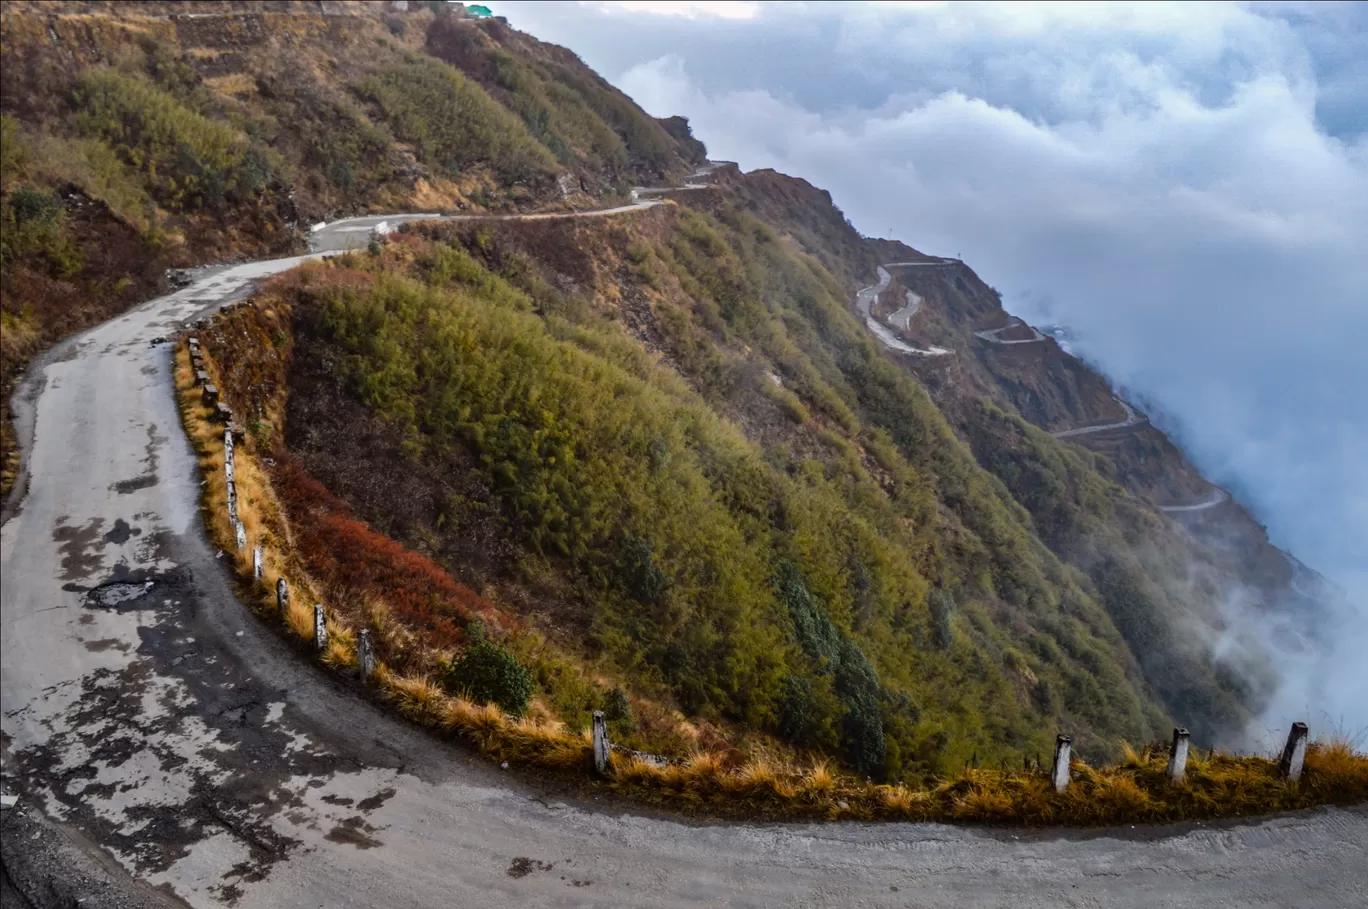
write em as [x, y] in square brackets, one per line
[479, 12]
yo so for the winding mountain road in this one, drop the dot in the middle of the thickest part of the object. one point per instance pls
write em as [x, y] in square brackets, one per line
[355, 233]
[991, 335]
[864, 302]
[865, 298]
[1216, 497]
[191, 751]
[903, 317]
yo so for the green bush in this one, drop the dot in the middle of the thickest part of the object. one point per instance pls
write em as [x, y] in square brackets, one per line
[33, 207]
[31, 225]
[941, 607]
[487, 674]
[617, 710]
[641, 578]
[808, 713]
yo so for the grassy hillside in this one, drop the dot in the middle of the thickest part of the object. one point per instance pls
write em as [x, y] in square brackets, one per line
[817, 559]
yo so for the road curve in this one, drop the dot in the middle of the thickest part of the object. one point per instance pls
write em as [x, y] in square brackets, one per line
[991, 335]
[1217, 497]
[864, 302]
[1133, 418]
[146, 708]
[903, 317]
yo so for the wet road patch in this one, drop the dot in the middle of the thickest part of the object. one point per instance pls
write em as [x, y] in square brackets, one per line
[122, 533]
[200, 746]
[354, 832]
[80, 548]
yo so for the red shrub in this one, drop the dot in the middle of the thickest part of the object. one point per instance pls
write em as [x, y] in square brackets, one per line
[344, 553]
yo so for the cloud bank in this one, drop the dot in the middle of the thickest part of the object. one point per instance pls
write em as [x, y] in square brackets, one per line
[1184, 185]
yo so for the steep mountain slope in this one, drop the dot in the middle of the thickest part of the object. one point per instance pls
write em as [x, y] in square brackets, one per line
[667, 444]
[675, 471]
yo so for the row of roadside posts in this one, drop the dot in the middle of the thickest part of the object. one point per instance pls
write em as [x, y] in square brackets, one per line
[365, 646]
[1289, 766]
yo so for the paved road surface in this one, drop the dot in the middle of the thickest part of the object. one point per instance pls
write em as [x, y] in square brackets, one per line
[864, 301]
[148, 710]
[1133, 418]
[991, 334]
[903, 317]
[1216, 497]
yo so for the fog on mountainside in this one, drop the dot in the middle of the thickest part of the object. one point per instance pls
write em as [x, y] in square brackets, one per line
[1184, 187]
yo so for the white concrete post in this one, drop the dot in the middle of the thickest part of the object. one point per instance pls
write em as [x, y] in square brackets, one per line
[232, 501]
[365, 653]
[320, 628]
[283, 597]
[1294, 753]
[240, 532]
[601, 748]
[1178, 753]
[256, 563]
[1063, 753]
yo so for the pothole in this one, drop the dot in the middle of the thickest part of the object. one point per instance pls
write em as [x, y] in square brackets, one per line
[117, 592]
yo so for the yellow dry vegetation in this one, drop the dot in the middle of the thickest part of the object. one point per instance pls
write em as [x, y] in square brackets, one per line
[234, 85]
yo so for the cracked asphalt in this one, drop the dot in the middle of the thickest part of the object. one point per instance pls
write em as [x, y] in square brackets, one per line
[169, 749]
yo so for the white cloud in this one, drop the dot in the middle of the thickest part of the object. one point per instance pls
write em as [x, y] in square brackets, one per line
[691, 9]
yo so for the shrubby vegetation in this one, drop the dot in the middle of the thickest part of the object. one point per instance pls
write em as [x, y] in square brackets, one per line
[453, 121]
[879, 598]
[190, 160]
[485, 673]
[1087, 519]
[580, 118]
[163, 146]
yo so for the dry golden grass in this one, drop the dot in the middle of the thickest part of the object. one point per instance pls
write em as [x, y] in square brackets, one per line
[819, 779]
[1134, 790]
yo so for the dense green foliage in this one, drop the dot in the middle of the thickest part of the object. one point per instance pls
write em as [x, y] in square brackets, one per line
[453, 121]
[488, 674]
[813, 595]
[31, 222]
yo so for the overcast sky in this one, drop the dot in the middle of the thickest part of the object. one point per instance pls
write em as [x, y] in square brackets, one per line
[1185, 185]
